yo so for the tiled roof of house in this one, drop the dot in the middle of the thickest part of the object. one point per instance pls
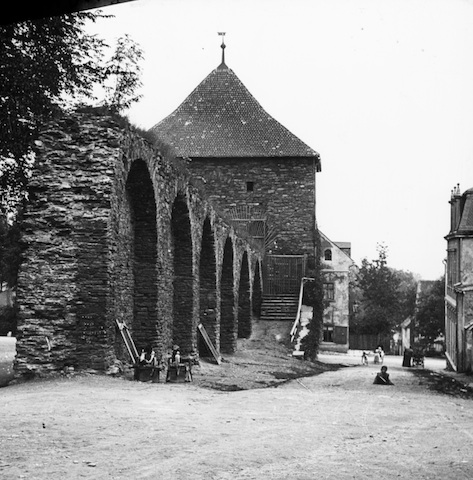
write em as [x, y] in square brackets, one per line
[221, 118]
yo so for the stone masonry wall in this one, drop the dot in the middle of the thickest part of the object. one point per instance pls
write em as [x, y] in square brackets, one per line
[62, 285]
[283, 188]
[94, 183]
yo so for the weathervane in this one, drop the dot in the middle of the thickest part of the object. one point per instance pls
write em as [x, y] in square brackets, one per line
[222, 34]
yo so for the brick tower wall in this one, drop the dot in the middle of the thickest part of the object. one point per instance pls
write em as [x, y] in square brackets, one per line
[283, 188]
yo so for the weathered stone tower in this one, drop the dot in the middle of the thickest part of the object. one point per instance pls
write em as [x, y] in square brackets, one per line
[253, 168]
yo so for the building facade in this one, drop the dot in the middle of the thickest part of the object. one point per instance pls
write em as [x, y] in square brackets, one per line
[336, 264]
[459, 283]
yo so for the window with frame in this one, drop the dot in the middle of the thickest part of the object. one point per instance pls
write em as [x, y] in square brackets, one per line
[328, 333]
[451, 267]
[328, 254]
[329, 291]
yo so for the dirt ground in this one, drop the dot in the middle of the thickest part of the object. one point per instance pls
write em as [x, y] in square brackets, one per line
[259, 415]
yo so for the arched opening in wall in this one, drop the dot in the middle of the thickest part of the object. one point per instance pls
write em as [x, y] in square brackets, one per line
[257, 292]
[208, 290]
[227, 302]
[143, 254]
[244, 303]
[182, 333]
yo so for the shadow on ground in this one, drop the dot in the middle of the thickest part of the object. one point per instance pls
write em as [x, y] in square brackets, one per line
[443, 384]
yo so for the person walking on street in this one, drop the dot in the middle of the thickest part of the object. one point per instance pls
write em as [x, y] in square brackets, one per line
[408, 352]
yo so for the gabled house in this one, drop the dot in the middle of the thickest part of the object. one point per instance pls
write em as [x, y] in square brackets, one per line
[258, 173]
[336, 264]
[459, 283]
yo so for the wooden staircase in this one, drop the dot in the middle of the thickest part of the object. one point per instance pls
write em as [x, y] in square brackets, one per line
[279, 307]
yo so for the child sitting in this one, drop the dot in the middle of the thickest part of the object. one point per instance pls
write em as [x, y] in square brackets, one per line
[382, 377]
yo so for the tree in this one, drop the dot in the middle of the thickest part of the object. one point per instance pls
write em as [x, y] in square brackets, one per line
[42, 63]
[123, 70]
[407, 291]
[430, 312]
[386, 296]
[10, 251]
[46, 66]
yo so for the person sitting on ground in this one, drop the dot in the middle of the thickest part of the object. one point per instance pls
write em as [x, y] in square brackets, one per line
[382, 377]
[146, 362]
[148, 357]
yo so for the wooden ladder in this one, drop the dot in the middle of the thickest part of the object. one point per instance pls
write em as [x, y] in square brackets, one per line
[207, 340]
[130, 344]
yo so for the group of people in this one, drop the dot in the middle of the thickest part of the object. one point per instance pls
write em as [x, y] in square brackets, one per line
[149, 363]
[378, 356]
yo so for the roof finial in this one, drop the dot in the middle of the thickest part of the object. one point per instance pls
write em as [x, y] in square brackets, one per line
[222, 34]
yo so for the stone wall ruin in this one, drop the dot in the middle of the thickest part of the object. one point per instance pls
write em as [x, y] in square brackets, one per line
[116, 231]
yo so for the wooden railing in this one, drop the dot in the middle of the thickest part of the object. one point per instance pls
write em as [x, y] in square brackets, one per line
[299, 308]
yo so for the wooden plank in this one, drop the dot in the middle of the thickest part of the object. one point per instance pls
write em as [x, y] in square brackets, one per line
[130, 344]
[207, 340]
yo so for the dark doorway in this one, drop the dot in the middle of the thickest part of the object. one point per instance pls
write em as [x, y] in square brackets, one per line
[208, 290]
[227, 322]
[143, 253]
[182, 280]
[244, 303]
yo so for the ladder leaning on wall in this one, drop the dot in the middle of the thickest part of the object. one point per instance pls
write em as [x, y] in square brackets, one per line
[130, 344]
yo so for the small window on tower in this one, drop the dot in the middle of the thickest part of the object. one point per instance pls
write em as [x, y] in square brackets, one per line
[250, 186]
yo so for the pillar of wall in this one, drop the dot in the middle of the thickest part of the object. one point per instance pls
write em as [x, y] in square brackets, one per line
[62, 289]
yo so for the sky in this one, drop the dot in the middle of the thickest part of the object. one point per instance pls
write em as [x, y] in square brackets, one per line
[381, 89]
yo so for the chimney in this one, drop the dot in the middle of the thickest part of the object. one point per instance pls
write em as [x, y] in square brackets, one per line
[455, 213]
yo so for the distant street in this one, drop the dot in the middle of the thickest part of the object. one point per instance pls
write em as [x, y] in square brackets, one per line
[354, 358]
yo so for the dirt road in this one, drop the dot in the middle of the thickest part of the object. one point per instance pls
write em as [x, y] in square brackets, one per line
[336, 425]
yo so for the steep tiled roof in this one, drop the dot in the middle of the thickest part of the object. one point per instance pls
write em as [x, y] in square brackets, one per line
[221, 118]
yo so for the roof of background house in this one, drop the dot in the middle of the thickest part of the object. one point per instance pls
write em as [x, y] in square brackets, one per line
[327, 243]
[343, 245]
[221, 118]
[466, 222]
